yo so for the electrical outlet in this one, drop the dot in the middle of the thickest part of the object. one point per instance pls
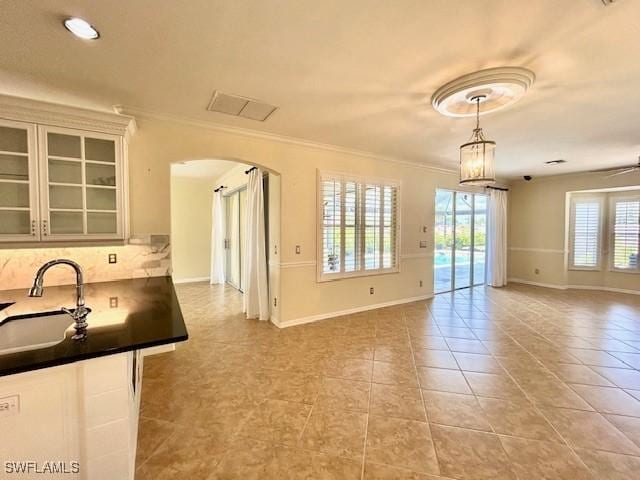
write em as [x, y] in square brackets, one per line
[113, 302]
[275, 249]
[275, 301]
[424, 229]
[537, 271]
[420, 282]
[113, 258]
[423, 244]
[297, 249]
[9, 406]
[370, 290]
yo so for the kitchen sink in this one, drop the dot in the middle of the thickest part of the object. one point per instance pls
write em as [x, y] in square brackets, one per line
[21, 333]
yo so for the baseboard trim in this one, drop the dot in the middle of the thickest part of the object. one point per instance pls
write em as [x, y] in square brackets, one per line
[191, 280]
[339, 313]
[537, 284]
[576, 287]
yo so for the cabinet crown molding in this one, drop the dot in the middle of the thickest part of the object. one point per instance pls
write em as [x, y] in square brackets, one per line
[45, 113]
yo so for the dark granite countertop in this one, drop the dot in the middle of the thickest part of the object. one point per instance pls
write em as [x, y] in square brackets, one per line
[125, 315]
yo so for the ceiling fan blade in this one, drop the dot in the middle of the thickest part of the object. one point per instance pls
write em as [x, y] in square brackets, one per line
[623, 172]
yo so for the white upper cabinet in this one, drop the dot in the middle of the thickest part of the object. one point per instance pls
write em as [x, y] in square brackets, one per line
[18, 182]
[59, 183]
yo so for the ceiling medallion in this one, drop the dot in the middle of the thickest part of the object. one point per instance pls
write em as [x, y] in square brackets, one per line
[501, 86]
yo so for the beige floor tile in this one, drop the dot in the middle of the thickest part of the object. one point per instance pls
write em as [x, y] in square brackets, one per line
[473, 362]
[336, 393]
[466, 346]
[395, 374]
[622, 377]
[589, 430]
[336, 432]
[630, 426]
[609, 400]
[442, 380]
[455, 410]
[393, 353]
[374, 471]
[491, 385]
[435, 358]
[471, 455]
[396, 401]
[295, 387]
[349, 369]
[596, 357]
[517, 418]
[276, 421]
[430, 342]
[151, 434]
[401, 443]
[611, 466]
[573, 373]
[544, 461]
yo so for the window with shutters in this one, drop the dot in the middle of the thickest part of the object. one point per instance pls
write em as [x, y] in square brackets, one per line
[586, 228]
[358, 226]
[625, 233]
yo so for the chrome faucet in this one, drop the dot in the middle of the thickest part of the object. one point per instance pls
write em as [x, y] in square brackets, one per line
[79, 314]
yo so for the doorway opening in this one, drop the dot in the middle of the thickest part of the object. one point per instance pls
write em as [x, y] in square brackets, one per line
[460, 240]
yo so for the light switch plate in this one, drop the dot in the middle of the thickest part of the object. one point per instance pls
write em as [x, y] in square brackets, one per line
[423, 244]
[9, 406]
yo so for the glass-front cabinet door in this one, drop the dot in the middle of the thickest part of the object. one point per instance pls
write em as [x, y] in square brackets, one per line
[18, 182]
[80, 185]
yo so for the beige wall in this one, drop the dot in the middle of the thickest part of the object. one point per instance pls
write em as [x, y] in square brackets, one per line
[158, 143]
[191, 227]
[537, 231]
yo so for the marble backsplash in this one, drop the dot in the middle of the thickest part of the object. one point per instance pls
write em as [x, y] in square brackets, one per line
[144, 256]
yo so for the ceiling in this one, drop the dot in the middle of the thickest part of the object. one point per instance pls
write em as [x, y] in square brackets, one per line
[209, 169]
[357, 74]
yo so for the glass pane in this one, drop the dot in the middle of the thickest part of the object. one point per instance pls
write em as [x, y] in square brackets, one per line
[65, 197]
[331, 219]
[443, 241]
[13, 140]
[462, 254]
[101, 222]
[351, 237]
[14, 194]
[14, 167]
[14, 222]
[479, 238]
[100, 150]
[66, 222]
[100, 174]
[65, 172]
[101, 198]
[63, 145]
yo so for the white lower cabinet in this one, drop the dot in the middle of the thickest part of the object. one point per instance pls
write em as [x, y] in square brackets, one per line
[81, 418]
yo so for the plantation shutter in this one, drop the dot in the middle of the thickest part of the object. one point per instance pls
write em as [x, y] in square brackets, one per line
[626, 234]
[586, 233]
[359, 226]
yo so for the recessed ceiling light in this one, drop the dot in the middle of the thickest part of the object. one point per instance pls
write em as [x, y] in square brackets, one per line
[555, 162]
[81, 28]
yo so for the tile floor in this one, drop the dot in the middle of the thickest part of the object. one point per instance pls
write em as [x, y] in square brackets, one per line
[516, 383]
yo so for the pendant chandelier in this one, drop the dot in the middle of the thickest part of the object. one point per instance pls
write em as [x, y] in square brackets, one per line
[495, 88]
[477, 156]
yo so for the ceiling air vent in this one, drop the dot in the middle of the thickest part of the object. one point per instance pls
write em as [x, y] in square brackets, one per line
[240, 106]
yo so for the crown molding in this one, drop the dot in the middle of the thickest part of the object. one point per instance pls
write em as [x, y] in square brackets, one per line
[143, 113]
[45, 113]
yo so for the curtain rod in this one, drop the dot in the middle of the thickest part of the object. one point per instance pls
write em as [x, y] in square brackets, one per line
[219, 188]
[250, 170]
[498, 188]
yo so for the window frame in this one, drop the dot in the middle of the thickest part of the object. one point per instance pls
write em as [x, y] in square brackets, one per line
[613, 199]
[601, 231]
[359, 179]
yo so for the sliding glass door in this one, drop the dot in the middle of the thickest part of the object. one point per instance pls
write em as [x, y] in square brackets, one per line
[460, 233]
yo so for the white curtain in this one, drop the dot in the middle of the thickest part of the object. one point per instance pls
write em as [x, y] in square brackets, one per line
[497, 239]
[256, 287]
[217, 239]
